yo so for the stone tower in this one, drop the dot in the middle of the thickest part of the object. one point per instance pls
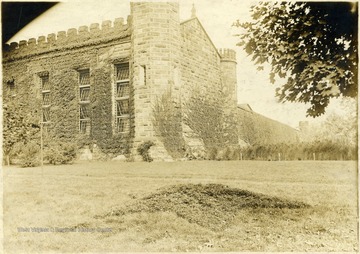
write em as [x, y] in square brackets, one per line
[228, 73]
[155, 60]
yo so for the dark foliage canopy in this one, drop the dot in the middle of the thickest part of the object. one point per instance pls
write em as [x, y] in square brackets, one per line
[311, 44]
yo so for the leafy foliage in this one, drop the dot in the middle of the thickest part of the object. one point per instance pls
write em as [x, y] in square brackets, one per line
[312, 44]
[17, 127]
[167, 124]
[212, 120]
[340, 127]
[59, 152]
[29, 155]
[143, 150]
[323, 150]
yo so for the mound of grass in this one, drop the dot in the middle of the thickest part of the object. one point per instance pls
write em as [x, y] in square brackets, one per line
[212, 205]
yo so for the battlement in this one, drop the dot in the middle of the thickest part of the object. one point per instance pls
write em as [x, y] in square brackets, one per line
[227, 55]
[71, 38]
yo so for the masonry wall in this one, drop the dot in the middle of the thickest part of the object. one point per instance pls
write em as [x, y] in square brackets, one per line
[255, 129]
[62, 58]
[155, 60]
[200, 62]
[228, 73]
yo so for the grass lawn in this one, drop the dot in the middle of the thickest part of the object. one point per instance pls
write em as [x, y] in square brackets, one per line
[76, 204]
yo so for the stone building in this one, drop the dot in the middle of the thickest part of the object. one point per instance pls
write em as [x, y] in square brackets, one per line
[100, 83]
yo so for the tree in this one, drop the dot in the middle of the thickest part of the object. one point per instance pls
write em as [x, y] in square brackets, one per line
[311, 44]
[338, 127]
[17, 128]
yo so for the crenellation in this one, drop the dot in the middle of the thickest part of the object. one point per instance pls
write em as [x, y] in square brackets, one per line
[93, 32]
[22, 43]
[61, 37]
[13, 45]
[118, 23]
[106, 25]
[83, 30]
[72, 32]
[51, 38]
[94, 27]
[32, 42]
[227, 54]
[41, 40]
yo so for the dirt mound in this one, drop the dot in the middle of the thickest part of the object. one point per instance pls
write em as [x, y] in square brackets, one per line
[210, 205]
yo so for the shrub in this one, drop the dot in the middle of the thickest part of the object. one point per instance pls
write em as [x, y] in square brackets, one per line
[212, 153]
[60, 152]
[29, 155]
[143, 150]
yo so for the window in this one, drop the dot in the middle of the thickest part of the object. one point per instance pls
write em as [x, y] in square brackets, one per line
[46, 99]
[84, 101]
[122, 92]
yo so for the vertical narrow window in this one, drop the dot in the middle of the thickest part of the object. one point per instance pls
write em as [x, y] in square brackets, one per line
[122, 92]
[84, 101]
[142, 75]
[46, 99]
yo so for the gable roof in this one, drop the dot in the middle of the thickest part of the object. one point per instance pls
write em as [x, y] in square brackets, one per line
[195, 19]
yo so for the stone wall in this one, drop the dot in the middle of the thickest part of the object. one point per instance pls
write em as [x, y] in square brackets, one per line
[200, 61]
[256, 129]
[155, 54]
[61, 58]
[228, 73]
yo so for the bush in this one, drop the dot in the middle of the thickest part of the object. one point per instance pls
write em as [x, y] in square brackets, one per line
[143, 150]
[29, 155]
[60, 153]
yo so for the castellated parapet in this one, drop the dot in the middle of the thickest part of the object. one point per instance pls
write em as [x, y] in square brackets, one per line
[228, 73]
[227, 55]
[72, 38]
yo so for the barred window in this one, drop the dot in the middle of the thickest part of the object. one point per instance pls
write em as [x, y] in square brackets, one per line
[46, 115]
[84, 77]
[122, 124]
[45, 84]
[122, 107]
[46, 99]
[122, 71]
[122, 89]
[84, 102]
[84, 94]
[122, 92]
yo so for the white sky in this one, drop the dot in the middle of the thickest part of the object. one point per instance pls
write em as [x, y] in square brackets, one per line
[217, 17]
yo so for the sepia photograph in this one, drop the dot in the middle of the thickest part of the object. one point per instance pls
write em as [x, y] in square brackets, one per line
[179, 126]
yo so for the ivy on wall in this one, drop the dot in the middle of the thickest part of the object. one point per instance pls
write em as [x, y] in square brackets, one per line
[101, 117]
[167, 124]
[211, 119]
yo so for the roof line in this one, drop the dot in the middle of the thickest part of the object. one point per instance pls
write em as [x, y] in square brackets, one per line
[207, 35]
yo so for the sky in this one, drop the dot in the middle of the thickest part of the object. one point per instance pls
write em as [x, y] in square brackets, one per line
[217, 17]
